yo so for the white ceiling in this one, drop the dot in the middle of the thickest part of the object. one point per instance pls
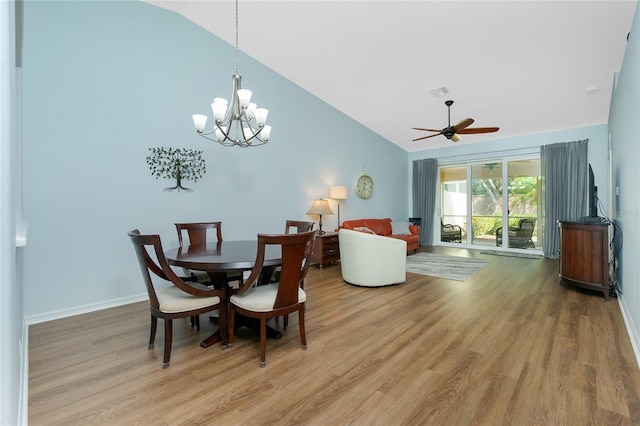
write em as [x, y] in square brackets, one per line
[525, 66]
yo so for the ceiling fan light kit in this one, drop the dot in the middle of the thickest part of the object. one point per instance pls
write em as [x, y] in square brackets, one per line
[453, 132]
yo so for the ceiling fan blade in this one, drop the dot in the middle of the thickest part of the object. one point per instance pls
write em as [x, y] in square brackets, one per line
[479, 130]
[427, 130]
[462, 125]
[427, 137]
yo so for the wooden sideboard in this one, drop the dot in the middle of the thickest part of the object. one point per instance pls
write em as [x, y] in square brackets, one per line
[326, 249]
[584, 255]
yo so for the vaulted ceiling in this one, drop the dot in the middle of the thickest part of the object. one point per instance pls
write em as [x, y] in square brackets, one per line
[525, 66]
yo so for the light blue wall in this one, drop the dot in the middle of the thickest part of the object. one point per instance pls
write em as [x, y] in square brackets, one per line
[103, 82]
[624, 126]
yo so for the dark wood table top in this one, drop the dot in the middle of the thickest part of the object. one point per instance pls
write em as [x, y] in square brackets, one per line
[222, 256]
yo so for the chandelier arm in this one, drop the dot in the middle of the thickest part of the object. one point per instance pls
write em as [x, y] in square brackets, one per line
[254, 134]
[223, 142]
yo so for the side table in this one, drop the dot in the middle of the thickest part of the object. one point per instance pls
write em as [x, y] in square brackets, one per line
[326, 249]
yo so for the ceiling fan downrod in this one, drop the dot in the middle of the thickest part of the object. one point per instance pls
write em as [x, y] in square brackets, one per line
[448, 132]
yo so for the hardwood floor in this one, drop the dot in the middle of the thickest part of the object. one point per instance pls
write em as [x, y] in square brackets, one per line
[508, 346]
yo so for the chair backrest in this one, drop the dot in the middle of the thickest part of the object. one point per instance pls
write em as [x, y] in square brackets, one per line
[160, 269]
[296, 249]
[300, 225]
[197, 232]
[525, 228]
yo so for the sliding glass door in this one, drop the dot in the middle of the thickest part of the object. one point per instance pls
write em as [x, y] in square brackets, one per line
[524, 205]
[486, 202]
[453, 201]
[478, 209]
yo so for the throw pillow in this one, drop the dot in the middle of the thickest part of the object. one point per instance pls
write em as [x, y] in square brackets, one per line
[400, 228]
[364, 229]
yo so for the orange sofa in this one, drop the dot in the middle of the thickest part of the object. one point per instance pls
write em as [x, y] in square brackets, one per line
[383, 227]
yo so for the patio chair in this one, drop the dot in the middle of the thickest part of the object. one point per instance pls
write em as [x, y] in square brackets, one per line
[520, 236]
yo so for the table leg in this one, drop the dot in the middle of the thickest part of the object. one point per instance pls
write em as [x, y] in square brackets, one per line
[211, 340]
[254, 324]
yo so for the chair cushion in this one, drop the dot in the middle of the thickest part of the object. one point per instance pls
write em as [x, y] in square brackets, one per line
[173, 300]
[261, 298]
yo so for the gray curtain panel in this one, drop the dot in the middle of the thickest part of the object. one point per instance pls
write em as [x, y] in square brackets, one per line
[425, 181]
[564, 181]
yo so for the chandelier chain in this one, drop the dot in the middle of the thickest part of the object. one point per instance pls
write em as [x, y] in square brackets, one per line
[237, 48]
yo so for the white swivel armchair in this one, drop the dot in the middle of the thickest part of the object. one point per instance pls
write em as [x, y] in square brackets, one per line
[372, 260]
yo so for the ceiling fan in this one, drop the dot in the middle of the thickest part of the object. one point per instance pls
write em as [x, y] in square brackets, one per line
[453, 132]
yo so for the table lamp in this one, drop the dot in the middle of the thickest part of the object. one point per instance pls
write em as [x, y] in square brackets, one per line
[320, 207]
[338, 193]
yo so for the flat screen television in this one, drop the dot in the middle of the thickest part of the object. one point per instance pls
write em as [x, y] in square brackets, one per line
[593, 196]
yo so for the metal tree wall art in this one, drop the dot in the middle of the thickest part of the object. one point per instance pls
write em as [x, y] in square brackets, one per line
[178, 164]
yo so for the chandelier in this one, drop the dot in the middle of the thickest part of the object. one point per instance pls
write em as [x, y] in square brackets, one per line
[240, 123]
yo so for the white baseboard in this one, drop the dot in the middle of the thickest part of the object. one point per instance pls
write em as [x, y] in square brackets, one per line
[64, 313]
[631, 330]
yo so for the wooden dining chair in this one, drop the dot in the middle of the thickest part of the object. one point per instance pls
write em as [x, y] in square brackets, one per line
[180, 300]
[299, 225]
[275, 299]
[197, 233]
[271, 274]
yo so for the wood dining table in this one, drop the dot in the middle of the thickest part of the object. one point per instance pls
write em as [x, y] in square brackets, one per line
[219, 258]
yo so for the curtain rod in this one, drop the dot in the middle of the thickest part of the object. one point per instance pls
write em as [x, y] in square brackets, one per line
[516, 152]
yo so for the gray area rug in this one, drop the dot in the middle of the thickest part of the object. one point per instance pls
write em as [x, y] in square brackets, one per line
[510, 254]
[444, 266]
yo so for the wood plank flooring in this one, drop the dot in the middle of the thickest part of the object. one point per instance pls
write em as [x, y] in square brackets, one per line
[509, 346]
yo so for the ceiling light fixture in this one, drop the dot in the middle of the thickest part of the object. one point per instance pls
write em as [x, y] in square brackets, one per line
[439, 91]
[241, 123]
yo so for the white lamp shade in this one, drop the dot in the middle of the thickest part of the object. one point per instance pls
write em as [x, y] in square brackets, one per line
[221, 101]
[338, 192]
[320, 207]
[265, 133]
[244, 97]
[455, 138]
[251, 110]
[199, 121]
[219, 108]
[261, 116]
